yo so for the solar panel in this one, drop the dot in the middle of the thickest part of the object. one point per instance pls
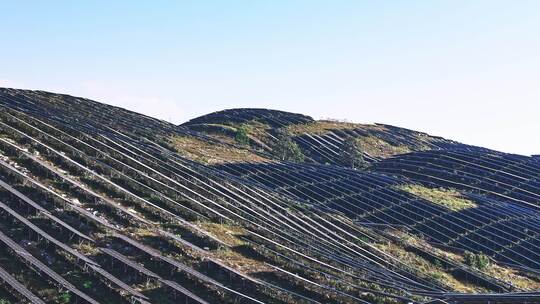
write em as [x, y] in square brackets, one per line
[26, 256]
[21, 289]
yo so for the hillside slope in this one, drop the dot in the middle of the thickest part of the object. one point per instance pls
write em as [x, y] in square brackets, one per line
[103, 205]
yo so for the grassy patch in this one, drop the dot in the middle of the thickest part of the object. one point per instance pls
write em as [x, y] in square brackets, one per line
[209, 153]
[511, 275]
[377, 147]
[448, 198]
[254, 128]
[493, 269]
[425, 268]
[257, 132]
[86, 249]
[321, 127]
[415, 241]
[234, 256]
[241, 262]
[372, 145]
[229, 234]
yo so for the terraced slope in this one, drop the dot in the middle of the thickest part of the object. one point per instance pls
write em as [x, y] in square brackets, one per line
[101, 205]
[502, 176]
[505, 230]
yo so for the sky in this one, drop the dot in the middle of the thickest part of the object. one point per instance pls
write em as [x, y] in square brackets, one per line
[464, 70]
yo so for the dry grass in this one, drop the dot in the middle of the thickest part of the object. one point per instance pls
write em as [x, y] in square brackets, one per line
[377, 147]
[370, 144]
[512, 275]
[208, 153]
[86, 249]
[241, 262]
[141, 232]
[493, 270]
[222, 138]
[415, 241]
[255, 128]
[321, 127]
[448, 198]
[257, 132]
[426, 269]
[228, 234]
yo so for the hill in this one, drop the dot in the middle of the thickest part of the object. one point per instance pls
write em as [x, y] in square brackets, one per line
[103, 205]
[321, 141]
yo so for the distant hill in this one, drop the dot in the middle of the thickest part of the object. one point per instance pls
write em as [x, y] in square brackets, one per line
[321, 141]
[99, 204]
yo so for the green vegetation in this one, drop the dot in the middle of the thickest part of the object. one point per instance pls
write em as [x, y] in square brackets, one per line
[64, 298]
[479, 261]
[241, 136]
[375, 146]
[351, 153]
[482, 261]
[505, 273]
[448, 198]
[87, 284]
[469, 258]
[4, 301]
[285, 149]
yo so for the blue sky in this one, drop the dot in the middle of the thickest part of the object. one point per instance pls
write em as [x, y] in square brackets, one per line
[465, 70]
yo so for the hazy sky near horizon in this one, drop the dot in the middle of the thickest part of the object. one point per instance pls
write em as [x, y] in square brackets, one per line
[465, 70]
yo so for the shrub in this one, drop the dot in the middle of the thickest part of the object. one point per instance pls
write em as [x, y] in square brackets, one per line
[87, 284]
[242, 136]
[469, 258]
[285, 149]
[64, 298]
[482, 261]
[436, 275]
[479, 261]
[351, 153]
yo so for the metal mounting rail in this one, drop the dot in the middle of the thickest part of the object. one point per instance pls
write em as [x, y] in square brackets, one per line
[128, 262]
[118, 282]
[509, 298]
[260, 282]
[181, 289]
[319, 285]
[67, 203]
[25, 255]
[62, 155]
[39, 208]
[47, 236]
[11, 281]
[151, 274]
[154, 253]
